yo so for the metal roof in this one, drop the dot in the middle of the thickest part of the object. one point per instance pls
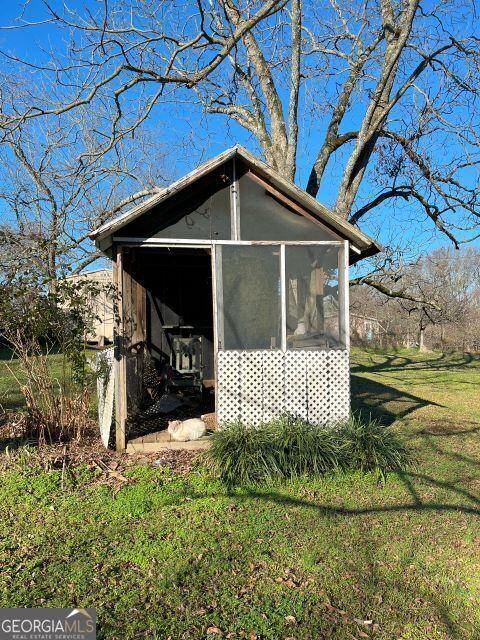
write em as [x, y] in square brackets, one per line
[365, 244]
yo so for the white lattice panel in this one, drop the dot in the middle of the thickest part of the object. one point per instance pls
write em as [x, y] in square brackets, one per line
[273, 384]
[338, 385]
[251, 387]
[228, 386]
[318, 390]
[296, 383]
[255, 386]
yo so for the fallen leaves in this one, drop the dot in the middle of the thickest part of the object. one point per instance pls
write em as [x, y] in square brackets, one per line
[214, 631]
[286, 582]
[290, 579]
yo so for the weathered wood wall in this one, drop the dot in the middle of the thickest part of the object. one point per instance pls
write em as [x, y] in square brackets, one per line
[130, 337]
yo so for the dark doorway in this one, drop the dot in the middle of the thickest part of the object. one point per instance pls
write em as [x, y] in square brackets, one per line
[179, 302]
[178, 374]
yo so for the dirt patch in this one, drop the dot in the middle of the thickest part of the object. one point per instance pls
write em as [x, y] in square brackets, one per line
[89, 451]
[448, 428]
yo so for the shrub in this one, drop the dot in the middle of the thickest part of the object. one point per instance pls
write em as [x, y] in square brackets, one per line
[287, 447]
[40, 318]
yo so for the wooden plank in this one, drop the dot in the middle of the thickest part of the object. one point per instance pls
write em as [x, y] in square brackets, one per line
[283, 298]
[235, 203]
[213, 266]
[141, 313]
[153, 447]
[218, 310]
[206, 244]
[134, 313]
[128, 329]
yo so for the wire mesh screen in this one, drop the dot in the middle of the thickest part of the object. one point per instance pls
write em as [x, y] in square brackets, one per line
[311, 281]
[250, 309]
[254, 386]
[262, 217]
[209, 220]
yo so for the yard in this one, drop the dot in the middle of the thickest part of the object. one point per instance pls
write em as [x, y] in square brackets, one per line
[175, 556]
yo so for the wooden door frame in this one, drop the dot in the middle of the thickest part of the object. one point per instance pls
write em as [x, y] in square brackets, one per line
[130, 328]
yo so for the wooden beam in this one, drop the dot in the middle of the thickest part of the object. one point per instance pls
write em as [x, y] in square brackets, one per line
[234, 203]
[283, 298]
[134, 331]
[141, 313]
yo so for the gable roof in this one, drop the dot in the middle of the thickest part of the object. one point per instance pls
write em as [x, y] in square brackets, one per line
[365, 244]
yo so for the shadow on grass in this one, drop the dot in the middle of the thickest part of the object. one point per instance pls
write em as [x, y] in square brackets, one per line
[385, 403]
[408, 478]
[368, 568]
[445, 430]
[397, 361]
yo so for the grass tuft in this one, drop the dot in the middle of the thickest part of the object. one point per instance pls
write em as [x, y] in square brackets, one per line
[301, 448]
[241, 454]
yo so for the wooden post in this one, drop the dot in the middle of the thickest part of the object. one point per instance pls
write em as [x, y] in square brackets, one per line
[234, 203]
[120, 387]
[218, 314]
[343, 295]
[134, 303]
[283, 299]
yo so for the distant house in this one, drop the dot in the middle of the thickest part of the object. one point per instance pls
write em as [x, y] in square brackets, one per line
[365, 329]
[102, 306]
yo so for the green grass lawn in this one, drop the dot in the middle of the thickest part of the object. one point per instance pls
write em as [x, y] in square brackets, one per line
[340, 557]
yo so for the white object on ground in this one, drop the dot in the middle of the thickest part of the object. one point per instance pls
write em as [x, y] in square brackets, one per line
[105, 391]
[191, 429]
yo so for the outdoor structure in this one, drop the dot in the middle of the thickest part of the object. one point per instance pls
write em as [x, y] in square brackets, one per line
[365, 329]
[240, 280]
[101, 304]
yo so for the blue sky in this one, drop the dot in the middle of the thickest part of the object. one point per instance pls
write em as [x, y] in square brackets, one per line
[173, 124]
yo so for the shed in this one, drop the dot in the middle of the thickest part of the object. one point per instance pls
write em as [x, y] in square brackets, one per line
[238, 280]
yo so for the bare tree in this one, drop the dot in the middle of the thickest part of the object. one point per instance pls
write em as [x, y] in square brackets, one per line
[450, 281]
[447, 279]
[390, 88]
[56, 189]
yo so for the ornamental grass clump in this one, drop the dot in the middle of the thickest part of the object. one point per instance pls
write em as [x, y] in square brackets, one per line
[283, 448]
[302, 448]
[288, 448]
[242, 454]
[369, 445]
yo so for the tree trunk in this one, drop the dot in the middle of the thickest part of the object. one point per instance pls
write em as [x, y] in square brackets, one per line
[421, 339]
